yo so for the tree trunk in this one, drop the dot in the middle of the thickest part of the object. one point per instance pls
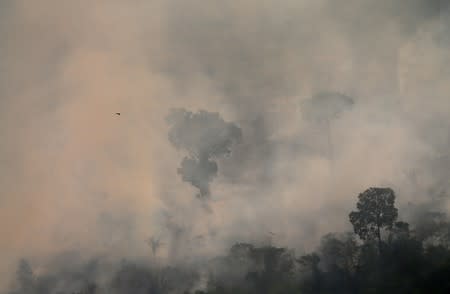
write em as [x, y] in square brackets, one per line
[379, 238]
[329, 141]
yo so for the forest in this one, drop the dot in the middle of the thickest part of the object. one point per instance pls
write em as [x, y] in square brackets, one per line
[381, 255]
[224, 147]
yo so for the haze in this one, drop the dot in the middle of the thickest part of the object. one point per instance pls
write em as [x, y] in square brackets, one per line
[74, 176]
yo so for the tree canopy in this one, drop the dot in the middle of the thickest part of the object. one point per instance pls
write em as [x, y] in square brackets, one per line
[375, 212]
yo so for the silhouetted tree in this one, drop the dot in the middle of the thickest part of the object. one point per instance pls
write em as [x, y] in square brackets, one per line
[376, 211]
[312, 275]
[323, 108]
[25, 277]
[273, 268]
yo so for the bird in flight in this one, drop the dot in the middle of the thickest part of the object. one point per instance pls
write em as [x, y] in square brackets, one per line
[118, 113]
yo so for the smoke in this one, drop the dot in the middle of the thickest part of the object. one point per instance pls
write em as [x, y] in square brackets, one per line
[205, 136]
[74, 176]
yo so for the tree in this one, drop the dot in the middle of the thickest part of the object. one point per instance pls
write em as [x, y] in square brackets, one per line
[25, 277]
[312, 275]
[273, 269]
[376, 211]
[323, 107]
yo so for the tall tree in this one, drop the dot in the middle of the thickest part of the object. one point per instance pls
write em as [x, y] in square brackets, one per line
[375, 212]
[312, 274]
[323, 107]
[25, 277]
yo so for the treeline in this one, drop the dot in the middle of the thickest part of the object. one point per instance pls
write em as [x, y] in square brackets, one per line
[381, 255]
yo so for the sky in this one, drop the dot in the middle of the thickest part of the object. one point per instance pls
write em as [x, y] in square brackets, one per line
[76, 177]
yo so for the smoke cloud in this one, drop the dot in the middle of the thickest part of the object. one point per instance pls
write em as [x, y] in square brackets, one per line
[76, 177]
[205, 136]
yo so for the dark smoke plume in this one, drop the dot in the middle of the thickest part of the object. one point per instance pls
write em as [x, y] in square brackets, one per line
[205, 136]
